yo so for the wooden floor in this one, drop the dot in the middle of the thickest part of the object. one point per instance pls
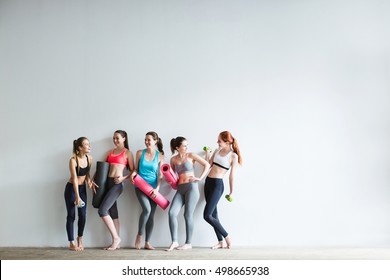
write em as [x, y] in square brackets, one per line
[239, 253]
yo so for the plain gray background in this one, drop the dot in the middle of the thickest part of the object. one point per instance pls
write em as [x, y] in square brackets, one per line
[304, 86]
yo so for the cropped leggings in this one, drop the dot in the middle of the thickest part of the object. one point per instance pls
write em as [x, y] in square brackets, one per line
[146, 219]
[70, 197]
[187, 195]
[108, 205]
[213, 190]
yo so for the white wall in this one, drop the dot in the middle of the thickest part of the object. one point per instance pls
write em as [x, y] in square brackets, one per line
[303, 85]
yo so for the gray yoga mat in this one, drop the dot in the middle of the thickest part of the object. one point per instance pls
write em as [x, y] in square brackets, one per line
[102, 168]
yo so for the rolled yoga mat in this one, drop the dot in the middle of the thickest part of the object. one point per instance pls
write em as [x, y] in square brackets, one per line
[102, 168]
[170, 175]
[147, 189]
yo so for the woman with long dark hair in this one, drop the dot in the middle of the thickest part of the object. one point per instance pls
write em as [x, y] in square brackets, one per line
[147, 165]
[187, 193]
[119, 159]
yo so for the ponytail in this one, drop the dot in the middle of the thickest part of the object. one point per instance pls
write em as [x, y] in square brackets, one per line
[236, 149]
[75, 148]
[226, 136]
[160, 146]
[75, 153]
[176, 142]
[173, 145]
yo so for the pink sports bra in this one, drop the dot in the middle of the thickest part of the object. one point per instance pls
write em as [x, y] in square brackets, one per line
[118, 159]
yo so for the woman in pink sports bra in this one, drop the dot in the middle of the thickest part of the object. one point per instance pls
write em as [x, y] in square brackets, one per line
[119, 158]
[225, 158]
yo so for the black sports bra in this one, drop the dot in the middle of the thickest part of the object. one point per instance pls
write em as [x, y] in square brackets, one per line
[82, 171]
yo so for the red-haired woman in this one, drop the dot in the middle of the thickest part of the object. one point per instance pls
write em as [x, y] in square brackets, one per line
[225, 158]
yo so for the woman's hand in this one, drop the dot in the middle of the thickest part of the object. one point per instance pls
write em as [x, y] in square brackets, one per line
[92, 185]
[132, 176]
[77, 201]
[153, 193]
[193, 179]
[119, 179]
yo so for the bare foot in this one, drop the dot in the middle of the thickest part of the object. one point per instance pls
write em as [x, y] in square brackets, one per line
[219, 245]
[138, 242]
[80, 243]
[108, 247]
[173, 246]
[228, 242]
[148, 246]
[114, 245]
[185, 247]
[73, 246]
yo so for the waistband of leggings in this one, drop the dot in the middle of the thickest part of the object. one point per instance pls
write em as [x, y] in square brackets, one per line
[214, 179]
[189, 184]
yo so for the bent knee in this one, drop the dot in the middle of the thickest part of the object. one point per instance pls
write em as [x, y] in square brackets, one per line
[172, 214]
[207, 217]
[146, 212]
[102, 212]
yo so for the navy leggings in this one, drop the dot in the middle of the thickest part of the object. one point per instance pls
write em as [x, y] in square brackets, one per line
[213, 190]
[108, 205]
[70, 197]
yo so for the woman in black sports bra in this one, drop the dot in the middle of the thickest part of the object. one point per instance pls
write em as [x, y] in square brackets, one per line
[75, 190]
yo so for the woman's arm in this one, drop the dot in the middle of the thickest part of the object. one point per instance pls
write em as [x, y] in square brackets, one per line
[88, 176]
[172, 164]
[90, 182]
[232, 171]
[159, 174]
[74, 179]
[130, 161]
[206, 165]
[135, 167]
[208, 158]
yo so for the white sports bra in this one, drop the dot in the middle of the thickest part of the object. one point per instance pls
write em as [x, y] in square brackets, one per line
[222, 161]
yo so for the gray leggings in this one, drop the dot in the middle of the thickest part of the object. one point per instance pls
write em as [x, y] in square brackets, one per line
[188, 195]
[108, 205]
[146, 219]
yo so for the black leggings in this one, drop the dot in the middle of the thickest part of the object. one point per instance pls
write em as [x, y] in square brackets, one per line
[213, 190]
[70, 197]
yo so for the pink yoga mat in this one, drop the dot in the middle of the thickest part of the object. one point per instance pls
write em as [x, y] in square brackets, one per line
[169, 175]
[147, 189]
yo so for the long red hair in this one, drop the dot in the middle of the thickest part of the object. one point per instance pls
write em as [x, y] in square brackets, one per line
[226, 136]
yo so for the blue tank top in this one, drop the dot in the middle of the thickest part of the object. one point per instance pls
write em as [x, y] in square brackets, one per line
[149, 169]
